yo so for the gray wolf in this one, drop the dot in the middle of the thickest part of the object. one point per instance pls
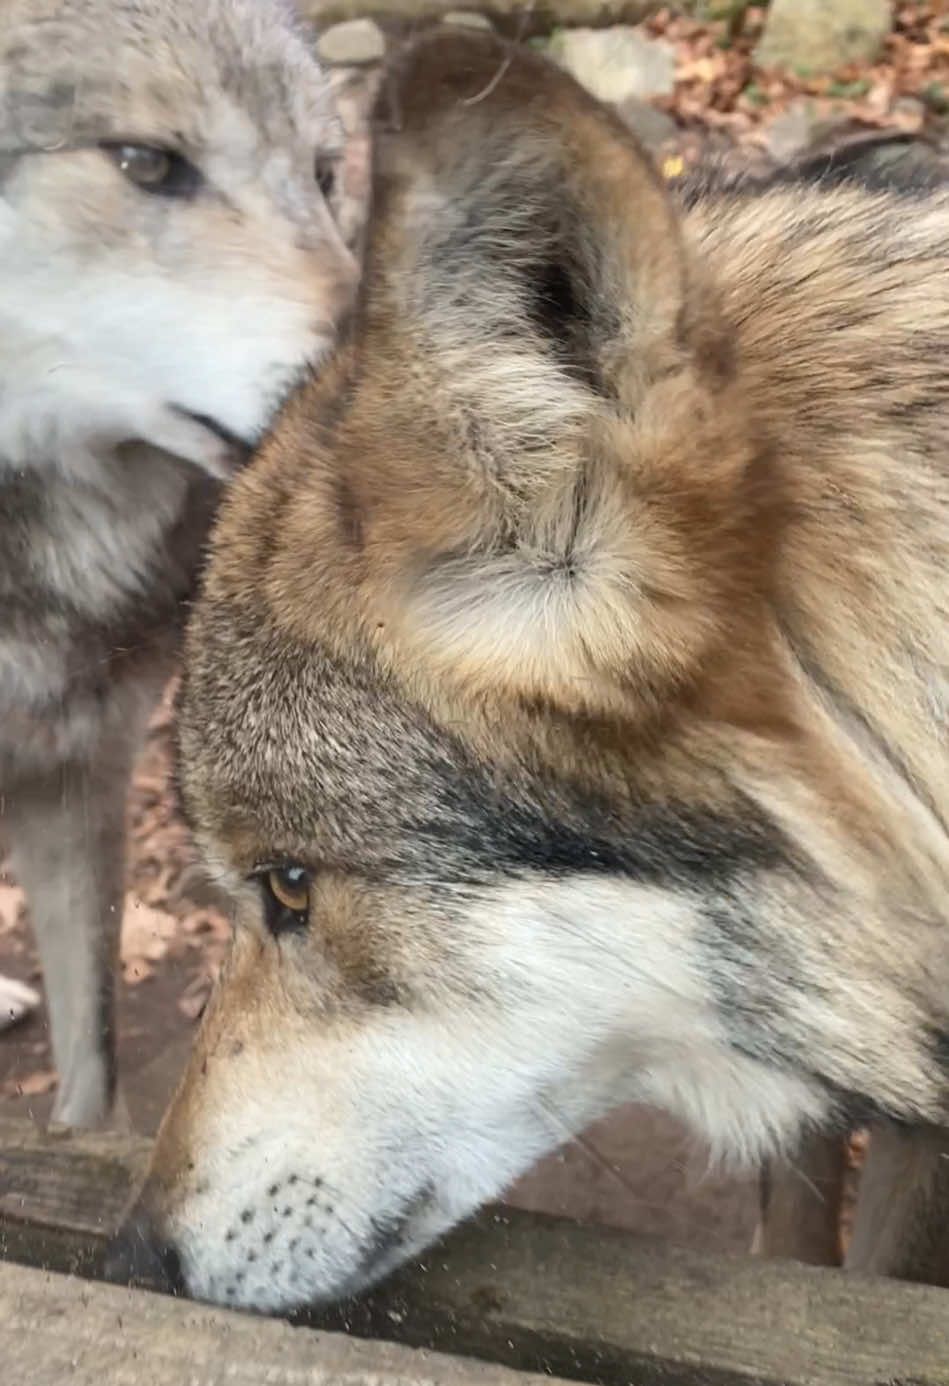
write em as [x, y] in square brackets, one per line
[565, 709]
[169, 265]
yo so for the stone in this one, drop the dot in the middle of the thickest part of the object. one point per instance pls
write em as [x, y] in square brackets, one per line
[354, 43]
[354, 91]
[909, 112]
[616, 64]
[816, 36]
[887, 158]
[792, 132]
[467, 19]
[651, 127]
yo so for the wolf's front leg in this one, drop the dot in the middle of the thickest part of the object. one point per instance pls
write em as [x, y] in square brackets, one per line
[67, 833]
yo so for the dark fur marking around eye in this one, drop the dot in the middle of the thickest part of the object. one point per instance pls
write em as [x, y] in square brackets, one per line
[480, 822]
[666, 845]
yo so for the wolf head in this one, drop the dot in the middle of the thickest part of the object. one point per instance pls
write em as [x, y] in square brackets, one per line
[482, 722]
[168, 257]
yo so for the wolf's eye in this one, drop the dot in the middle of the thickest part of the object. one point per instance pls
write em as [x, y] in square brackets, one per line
[325, 173]
[154, 170]
[286, 897]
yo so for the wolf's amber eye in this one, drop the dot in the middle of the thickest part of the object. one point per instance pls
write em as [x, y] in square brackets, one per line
[154, 170]
[286, 897]
[325, 173]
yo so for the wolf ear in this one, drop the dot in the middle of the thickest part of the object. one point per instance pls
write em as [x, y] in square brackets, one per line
[524, 204]
[527, 301]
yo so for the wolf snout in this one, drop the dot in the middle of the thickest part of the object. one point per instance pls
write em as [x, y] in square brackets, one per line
[137, 1255]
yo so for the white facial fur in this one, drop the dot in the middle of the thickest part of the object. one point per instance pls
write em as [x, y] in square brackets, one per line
[328, 1151]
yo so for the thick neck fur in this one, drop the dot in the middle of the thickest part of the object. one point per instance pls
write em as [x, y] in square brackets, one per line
[97, 508]
[841, 351]
[100, 545]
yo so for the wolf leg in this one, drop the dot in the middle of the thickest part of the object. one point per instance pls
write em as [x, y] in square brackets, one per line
[67, 833]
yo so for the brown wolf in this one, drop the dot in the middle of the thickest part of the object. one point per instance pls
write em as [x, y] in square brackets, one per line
[566, 707]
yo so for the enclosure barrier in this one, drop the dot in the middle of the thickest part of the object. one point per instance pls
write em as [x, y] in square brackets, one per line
[518, 18]
[515, 1290]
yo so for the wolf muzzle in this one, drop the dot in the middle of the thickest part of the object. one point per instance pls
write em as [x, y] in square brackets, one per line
[136, 1256]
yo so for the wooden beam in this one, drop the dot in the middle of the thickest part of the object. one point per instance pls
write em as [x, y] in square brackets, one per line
[512, 17]
[56, 1329]
[63, 1193]
[541, 1294]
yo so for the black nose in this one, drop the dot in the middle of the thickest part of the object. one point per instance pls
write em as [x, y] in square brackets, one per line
[135, 1256]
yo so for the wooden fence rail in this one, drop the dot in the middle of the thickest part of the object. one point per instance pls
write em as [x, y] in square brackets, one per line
[513, 17]
[536, 1293]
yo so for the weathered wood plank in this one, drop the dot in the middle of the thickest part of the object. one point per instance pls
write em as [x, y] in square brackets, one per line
[56, 1329]
[544, 1295]
[519, 17]
[62, 1194]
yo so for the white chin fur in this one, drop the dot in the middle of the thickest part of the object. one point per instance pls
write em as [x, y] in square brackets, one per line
[403, 1125]
[190, 440]
[62, 415]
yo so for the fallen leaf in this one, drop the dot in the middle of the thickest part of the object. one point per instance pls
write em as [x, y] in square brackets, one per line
[11, 906]
[33, 1085]
[136, 971]
[147, 934]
